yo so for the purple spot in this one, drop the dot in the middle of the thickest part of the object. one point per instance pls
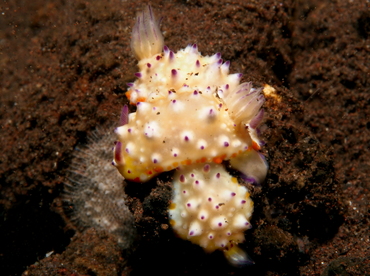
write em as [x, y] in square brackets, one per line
[202, 217]
[138, 103]
[218, 55]
[191, 233]
[208, 87]
[173, 72]
[158, 57]
[219, 224]
[127, 150]
[186, 138]
[188, 204]
[240, 75]
[210, 237]
[226, 144]
[175, 155]
[228, 233]
[155, 161]
[173, 101]
[243, 202]
[182, 178]
[220, 105]
[184, 192]
[226, 86]
[197, 63]
[148, 65]
[196, 182]
[217, 207]
[138, 75]
[219, 62]
[130, 84]
[129, 130]
[201, 147]
[211, 112]
[172, 55]
[113, 163]
[222, 245]
[192, 175]
[233, 194]
[128, 171]
[195, 46]
[169, 92]
[209, 199]
[165, 48]
[206, 168]
[218, 175]
[195, 92]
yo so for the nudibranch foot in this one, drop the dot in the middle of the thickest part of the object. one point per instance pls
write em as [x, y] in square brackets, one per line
[252, 165]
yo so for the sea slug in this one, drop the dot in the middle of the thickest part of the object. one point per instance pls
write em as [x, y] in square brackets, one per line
[191, 117]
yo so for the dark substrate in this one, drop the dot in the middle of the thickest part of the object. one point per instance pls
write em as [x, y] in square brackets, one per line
[64, 68]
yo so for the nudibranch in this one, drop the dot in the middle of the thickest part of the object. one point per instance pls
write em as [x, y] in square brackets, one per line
[192, 115]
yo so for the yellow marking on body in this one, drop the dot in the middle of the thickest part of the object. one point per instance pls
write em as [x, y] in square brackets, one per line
[186, 162]
[255, 146]
[172, 206]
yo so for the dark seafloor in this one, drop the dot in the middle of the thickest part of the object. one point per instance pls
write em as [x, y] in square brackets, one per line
[64, 66]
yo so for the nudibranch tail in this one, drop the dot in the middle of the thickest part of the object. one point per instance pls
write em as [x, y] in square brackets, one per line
[237, 257]
[147, 39]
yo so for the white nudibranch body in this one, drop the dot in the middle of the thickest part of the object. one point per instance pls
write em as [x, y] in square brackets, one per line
[209, 207]
[191, 116]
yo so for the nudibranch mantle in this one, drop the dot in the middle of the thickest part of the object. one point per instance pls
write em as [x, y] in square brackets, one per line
[189, 110]
[191, 116]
